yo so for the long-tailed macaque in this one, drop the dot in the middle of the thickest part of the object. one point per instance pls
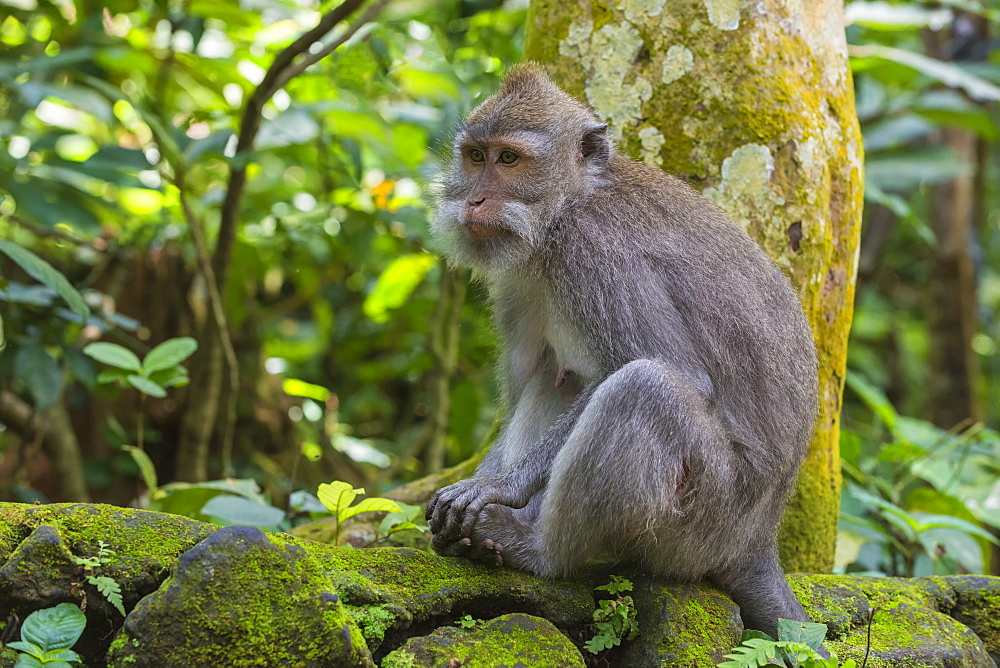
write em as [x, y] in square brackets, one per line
[659, 373]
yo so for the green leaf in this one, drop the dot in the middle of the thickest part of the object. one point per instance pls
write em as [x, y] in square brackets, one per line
[337, 495]
[29, 647]
[396, 284]
[237, 510]
[809, 633]
[755, 652]
[374, 504]
[949, 74]
[168, 354]
[173, 377]
[295, 126]
[873, 398]
[599, 643]
[80, 366]
[926, 522]
[27, 661]
[146, 386]
[146, 468]
[109, 589]
[754, 633]
[54, 628]
[45, 273]
[114, 355]
[40, 373]
[63, 655]
[299, 388]
[402, 526]
[881, 15]
[215, 143]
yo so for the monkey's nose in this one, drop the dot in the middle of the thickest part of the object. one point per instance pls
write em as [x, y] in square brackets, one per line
[476, 202]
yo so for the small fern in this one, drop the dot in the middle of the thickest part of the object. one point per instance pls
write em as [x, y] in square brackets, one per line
[798, 646]
[109, 589]
[106, 585]
[756, 652]
[614, 619]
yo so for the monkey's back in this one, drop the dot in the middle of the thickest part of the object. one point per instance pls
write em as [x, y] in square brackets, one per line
[690, 286]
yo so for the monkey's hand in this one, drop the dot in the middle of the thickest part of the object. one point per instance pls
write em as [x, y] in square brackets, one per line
[452, 512]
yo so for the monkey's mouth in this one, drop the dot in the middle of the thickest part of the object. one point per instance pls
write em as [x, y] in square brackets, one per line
[484, 230]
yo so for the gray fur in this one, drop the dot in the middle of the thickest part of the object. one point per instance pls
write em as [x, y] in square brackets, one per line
[677, 436]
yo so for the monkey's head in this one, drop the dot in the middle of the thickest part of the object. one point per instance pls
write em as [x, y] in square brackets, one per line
[521, 156]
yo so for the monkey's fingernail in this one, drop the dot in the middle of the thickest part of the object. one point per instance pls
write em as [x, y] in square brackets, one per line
[465, 541]
[488, 544]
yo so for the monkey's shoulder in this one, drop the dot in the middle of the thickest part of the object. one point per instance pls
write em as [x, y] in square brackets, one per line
[648, 199]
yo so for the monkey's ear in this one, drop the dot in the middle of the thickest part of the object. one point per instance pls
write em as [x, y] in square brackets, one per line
[596, 147]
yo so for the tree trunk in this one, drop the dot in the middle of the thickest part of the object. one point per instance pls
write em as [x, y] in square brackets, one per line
[58, 441]
[755, 107]
[954, 211]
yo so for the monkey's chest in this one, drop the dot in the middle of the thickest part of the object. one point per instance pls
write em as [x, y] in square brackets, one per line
[569, 345]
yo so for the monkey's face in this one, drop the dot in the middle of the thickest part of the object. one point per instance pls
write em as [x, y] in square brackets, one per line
[523, 156]
[493, 206]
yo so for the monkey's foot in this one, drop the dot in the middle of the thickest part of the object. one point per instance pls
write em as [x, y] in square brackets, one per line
[486, 551]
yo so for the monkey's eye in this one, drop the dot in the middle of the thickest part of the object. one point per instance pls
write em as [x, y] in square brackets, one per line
[476, 155]
[508, 157]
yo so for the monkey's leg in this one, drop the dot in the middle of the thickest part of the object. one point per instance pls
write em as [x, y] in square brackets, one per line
[649, 474]
[762, 592]
[618, 478]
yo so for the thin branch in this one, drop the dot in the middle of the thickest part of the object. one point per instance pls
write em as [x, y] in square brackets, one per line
[250, 125]
[308, 61]
[221, 324]
[51, 232]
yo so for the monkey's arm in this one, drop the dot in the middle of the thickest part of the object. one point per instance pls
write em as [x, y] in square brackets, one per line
[518, 464]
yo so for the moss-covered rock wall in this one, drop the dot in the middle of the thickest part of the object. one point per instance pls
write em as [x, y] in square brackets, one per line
[199, 595]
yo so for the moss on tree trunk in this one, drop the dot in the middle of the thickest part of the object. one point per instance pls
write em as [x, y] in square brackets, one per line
[753, 104]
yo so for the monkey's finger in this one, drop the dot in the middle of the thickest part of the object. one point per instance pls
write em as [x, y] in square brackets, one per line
[442, 509]
[472, 514]
[462, 515]
[429, 510]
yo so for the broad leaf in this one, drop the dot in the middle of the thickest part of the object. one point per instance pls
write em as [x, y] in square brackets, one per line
[54, 628]
[146, 386]
[114, 355]
[337, 495]
[949, 74]
[396, 284]
[40, 373]
[28, 661]
[370, 505]
[237, 510]
[173, 377]
[168, 354]
[145, 465]
[809, 633]
[45, 273]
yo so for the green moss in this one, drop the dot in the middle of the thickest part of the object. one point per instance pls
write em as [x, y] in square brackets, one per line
[143, 541]
[509, 640]
[375, 620]
[916, 622]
